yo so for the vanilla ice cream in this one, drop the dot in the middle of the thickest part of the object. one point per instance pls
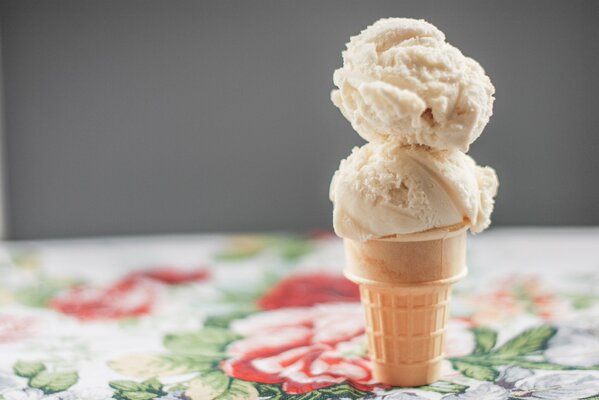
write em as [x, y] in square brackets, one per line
[384, 189]
[402, 82]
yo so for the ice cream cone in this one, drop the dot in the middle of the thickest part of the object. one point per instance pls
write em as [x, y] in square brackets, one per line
[405, 285]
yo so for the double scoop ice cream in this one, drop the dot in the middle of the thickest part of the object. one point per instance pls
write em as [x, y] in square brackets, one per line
[404, 201]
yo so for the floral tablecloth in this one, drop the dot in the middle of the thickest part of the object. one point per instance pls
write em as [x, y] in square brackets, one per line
[247, 317]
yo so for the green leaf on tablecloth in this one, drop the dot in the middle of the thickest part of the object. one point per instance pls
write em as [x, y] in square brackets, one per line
[474, 371]
[485, 339]
[236, 255]
[288, 247]
[271, 392]
[520, 362]
[239, 390]
[177, 387]
[138, 395]
[25, 258]
[28, 369]
[128, 322]
[188, 364]
[292, 248]
[444, 387]
[240, 297]
[246, 299]
[37, 296]
[223, 321]
[209, 385]
[530, 341]
[152, 385]
[342, 390]
[52, 382]
[210, 340]
[125, 386]
[243, 247]
[582, 301]
[152, 365]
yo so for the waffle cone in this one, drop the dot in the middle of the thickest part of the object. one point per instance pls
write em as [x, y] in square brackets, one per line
[405, 286]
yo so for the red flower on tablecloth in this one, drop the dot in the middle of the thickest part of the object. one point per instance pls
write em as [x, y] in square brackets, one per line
[132, 296]
[173, 276]
[308, 290]
[129, 297]
[513, 297]
[303, 348]
[15, 327]
[303, 343]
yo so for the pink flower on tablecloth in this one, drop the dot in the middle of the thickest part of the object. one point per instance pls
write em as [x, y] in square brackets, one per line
[309, 289]
[303, 348]
[130, 297]
[15, 327]
[513, 297]
[172, 276]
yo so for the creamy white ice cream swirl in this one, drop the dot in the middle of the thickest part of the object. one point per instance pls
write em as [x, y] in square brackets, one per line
[384, 189]
[401, 81]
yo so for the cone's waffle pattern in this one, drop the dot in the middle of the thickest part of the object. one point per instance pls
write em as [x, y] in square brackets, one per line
[406, 325]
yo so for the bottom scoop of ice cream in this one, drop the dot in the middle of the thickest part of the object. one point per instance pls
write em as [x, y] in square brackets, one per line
[384, 189]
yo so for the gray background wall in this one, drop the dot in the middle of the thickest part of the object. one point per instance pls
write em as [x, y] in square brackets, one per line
[174, 116]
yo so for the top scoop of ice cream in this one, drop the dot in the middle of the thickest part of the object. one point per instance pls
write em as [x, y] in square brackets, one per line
[401, 81]
[384, 189]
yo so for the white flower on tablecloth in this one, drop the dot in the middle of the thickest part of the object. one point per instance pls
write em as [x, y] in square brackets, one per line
[560, 386]
[501, 390]
[93, 393]
[574, 346]
[487, 391]
[74, 394]
[23, 394]
[62, 396]
[459, 340]
[511, 375]
[400, 395]
[557, 386]
[7, 382]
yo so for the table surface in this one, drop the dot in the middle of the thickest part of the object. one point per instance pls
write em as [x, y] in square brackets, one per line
[247, 317]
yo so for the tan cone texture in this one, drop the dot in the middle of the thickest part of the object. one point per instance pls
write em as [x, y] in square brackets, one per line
[406, 308]
[406, 333]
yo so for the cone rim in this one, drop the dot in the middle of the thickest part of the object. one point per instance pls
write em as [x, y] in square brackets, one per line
[429, 234]
[437, 282]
